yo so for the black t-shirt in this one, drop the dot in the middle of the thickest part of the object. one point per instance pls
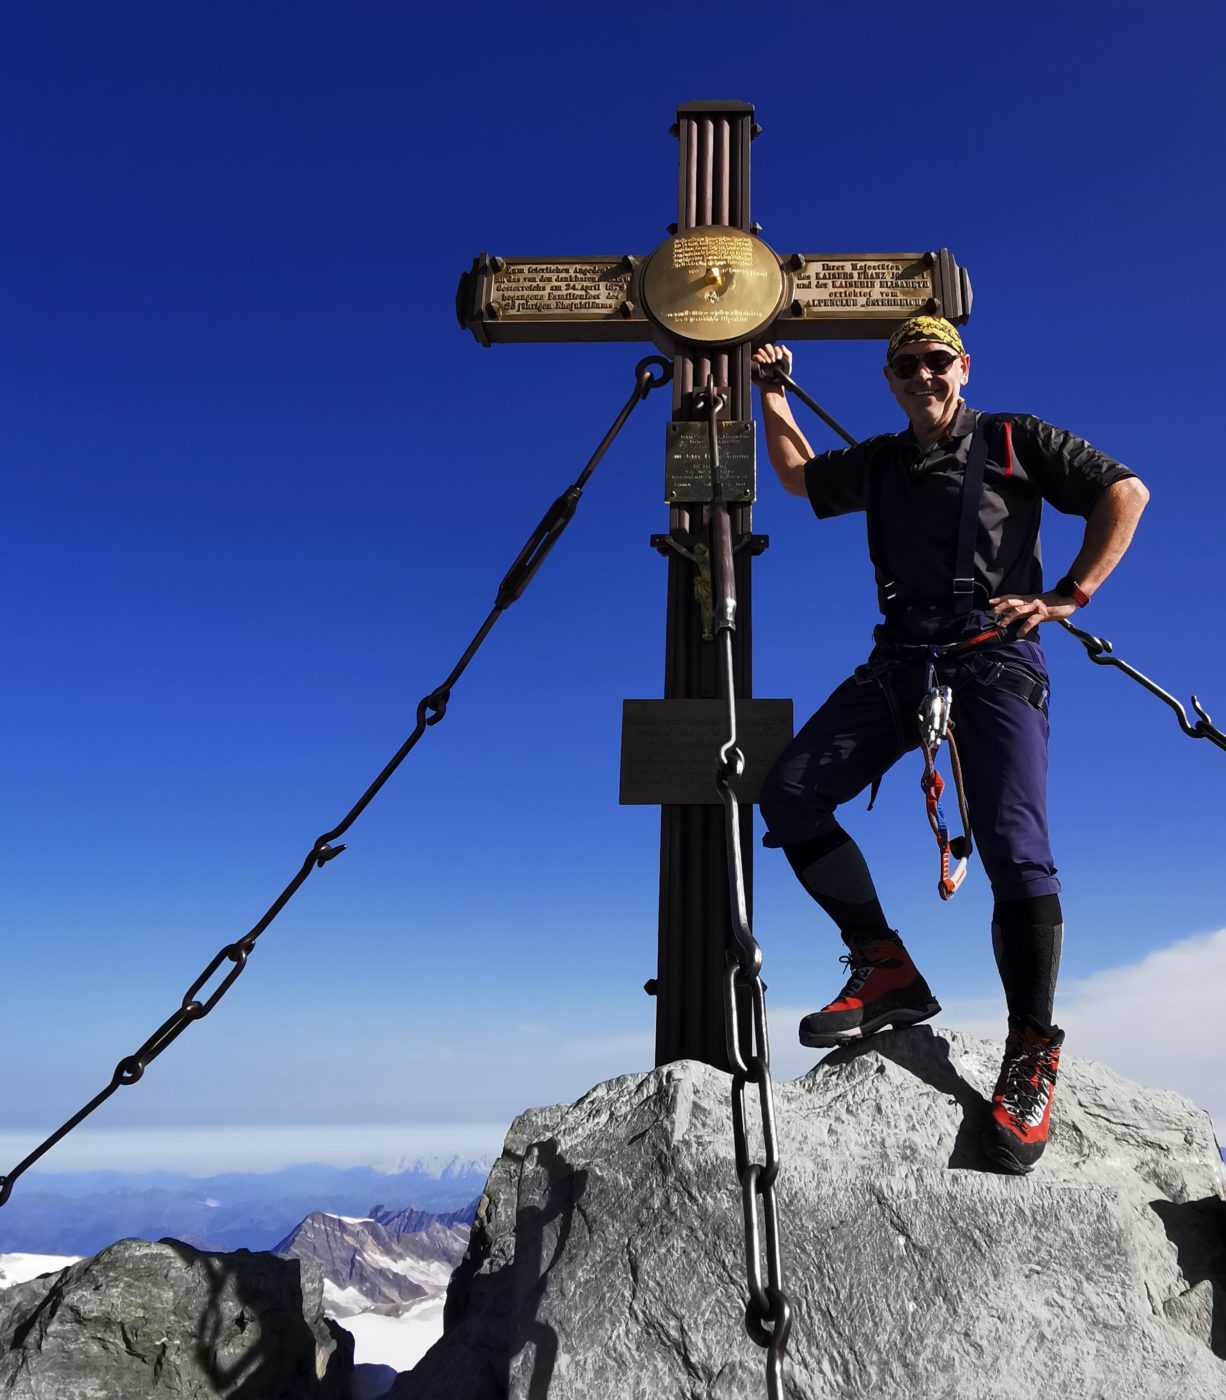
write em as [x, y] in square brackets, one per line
[920, 494]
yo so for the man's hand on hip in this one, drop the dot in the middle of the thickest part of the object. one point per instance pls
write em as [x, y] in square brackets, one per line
[1027, 610]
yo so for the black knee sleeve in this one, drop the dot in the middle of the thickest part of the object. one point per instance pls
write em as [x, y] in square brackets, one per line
[832, 869]
[1027, 937]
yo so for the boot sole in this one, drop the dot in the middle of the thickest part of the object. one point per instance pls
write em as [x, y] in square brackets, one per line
[1000, 1156]
[901, 1016]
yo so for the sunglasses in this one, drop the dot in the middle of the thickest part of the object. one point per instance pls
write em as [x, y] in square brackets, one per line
[906, 366]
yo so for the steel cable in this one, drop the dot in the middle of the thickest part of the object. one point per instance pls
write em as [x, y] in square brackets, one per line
[431, 709]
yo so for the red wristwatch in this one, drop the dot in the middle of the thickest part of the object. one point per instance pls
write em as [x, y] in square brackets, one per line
[1068, 587]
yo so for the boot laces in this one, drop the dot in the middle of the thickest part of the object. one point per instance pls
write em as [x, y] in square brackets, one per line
[1029, 1073]
[861, 968]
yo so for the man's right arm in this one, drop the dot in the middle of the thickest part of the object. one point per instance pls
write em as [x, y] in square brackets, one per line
[786, 446]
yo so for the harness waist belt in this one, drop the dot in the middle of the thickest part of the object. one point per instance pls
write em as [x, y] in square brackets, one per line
[923, 651]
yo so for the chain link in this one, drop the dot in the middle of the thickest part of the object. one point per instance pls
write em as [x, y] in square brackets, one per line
[430, 711]
[768, 1311]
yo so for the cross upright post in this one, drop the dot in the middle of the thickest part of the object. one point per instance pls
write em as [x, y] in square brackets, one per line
[713, 189]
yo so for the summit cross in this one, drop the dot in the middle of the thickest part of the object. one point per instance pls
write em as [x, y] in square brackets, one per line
[707, 296]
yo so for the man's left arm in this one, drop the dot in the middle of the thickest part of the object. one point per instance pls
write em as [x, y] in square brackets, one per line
[1109, 530]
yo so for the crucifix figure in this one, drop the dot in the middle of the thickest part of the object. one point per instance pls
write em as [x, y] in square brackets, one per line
[710, 293]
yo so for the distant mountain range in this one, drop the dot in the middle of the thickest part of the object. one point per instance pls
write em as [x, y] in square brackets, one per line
[83, 1212]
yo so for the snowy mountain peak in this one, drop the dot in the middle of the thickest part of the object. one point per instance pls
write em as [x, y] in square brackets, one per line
[368, 1265]
[438, 1168]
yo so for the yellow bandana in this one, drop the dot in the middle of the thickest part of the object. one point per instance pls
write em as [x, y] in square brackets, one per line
[924, 328]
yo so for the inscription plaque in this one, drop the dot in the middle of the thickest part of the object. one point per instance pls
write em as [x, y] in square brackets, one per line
[687, 462]
[864, 295]
[527, 299]
[881, 286]
[669, 748]
[575, 287]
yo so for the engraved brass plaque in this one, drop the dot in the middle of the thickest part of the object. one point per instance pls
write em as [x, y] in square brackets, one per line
[687, 462]
[890, 286]
[712, 286]
[670, 748]
[513, 300]
[590, 288]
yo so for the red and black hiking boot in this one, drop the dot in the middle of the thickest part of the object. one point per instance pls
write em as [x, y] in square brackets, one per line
[884, 988]
[1021, 1105]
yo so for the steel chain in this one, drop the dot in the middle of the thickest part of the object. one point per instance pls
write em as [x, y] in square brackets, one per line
[431, 709]
[768, 1312]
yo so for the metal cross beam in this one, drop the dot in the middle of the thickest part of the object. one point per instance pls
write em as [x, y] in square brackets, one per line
[836, 296]
[706, 296]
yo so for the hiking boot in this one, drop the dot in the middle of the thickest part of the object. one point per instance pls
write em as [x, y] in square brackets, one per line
[884, 989]
[1021, 1105]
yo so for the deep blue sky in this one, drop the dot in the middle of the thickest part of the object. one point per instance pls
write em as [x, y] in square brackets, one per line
[260, 489]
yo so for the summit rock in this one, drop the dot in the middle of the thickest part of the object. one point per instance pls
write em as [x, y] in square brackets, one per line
[607, 1256]
[144, 1319]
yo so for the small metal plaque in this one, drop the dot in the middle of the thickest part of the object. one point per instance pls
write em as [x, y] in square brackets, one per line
[687, 462]
[670, 748]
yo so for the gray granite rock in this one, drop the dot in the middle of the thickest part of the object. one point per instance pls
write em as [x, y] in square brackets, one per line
[606, 1259]
[142, 1319]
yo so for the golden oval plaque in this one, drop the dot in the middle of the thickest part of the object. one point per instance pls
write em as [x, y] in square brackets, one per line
[712, 286]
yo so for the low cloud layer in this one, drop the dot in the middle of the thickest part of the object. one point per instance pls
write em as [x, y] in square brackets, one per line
[1160, 1022]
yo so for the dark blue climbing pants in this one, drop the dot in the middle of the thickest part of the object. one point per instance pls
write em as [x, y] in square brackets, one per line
[869, 722]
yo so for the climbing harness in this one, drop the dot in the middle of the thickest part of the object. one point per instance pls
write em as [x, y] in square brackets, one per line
[936, 727]
[432, 708]
[768, 1313]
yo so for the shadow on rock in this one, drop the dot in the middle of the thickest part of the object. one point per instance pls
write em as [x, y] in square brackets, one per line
[495, 1337]
[253, 1341]
[924, 1053]
[549, 1194]
[1197, 1229]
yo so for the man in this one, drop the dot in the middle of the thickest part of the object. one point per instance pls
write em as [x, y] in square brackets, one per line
[953, 505]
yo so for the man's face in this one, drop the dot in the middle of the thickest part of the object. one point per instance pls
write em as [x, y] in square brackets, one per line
[925, 394]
